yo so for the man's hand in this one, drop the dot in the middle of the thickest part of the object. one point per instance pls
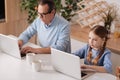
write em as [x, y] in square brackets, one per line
[20, 43]
[27, 49]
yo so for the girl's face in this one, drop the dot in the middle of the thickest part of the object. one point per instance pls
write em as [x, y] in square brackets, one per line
[95, 41]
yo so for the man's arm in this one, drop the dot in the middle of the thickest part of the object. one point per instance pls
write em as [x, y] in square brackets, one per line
[28, 49]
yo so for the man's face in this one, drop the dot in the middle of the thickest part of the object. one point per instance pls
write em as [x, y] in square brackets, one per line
[44, 14]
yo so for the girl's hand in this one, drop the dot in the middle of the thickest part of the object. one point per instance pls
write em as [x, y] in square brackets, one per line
[118, 72]
[84, 66]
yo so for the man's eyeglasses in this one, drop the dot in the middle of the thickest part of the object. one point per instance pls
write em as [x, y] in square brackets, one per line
[42, 14]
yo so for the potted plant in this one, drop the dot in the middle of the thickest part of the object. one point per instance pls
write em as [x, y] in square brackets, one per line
[109, 17]
[30, 6]
[66, 11]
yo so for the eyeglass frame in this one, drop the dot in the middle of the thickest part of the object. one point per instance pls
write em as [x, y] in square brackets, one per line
[41, 14]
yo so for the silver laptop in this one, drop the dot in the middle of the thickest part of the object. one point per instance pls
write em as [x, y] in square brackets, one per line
[9, 45]
[67, 63]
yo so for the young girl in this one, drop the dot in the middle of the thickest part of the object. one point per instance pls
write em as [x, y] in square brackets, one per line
[96, 55]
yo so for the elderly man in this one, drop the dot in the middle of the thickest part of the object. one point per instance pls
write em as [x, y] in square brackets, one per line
[52, 30]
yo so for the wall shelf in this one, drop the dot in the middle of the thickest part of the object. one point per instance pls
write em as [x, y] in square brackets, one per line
[92, 13]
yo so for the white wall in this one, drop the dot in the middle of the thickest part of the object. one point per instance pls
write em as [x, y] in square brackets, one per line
[75, 45]
[116, 3]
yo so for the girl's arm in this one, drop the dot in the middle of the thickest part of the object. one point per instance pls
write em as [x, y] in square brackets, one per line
[96, 68]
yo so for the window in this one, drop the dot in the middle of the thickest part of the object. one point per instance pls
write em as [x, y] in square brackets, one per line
[2, 10]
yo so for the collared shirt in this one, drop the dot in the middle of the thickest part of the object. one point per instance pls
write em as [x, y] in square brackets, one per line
[55, 35]
[104, 60]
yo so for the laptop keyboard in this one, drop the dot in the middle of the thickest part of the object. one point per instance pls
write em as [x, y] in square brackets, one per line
[22, 55]
[83, 74]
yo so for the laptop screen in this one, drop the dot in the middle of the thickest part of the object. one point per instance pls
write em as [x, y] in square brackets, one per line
[66, 63]
[9, 45]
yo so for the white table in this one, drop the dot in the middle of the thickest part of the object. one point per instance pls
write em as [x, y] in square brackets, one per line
[15, 69]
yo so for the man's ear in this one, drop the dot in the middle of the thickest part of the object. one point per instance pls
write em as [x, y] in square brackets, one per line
[103, 39]
[53, 11]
